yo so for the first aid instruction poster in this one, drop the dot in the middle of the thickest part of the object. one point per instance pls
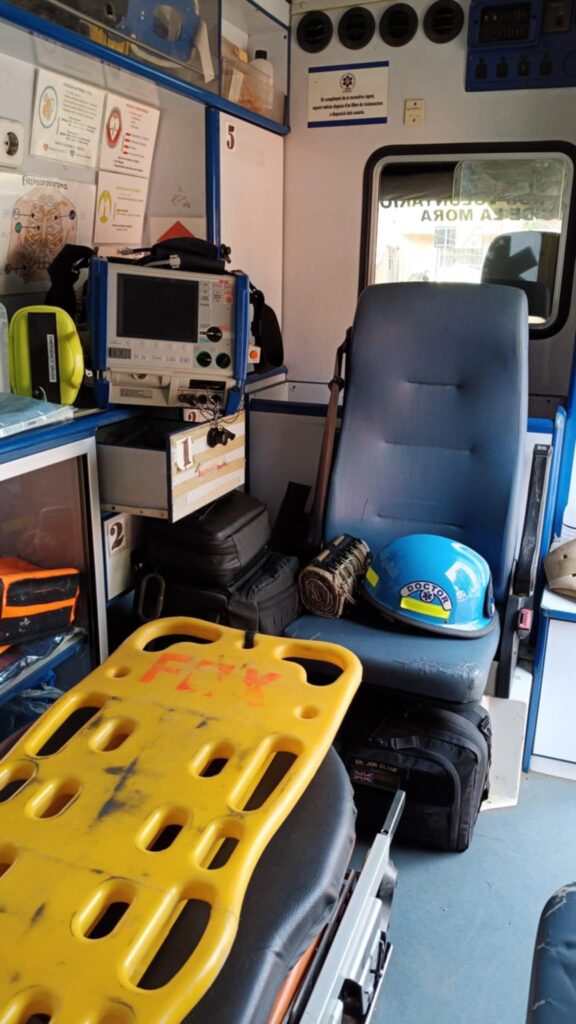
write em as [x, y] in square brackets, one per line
[66, 120]
[128, 137]
[120, 209]
[346, 94]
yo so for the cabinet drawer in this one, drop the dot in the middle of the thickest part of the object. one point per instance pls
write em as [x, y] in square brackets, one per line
[149, 468]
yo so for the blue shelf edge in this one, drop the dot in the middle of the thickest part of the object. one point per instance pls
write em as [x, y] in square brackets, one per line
[30, 676]
[66, 37]
[53, 435]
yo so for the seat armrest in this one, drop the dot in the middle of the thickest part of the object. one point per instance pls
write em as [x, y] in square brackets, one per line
[524, 578]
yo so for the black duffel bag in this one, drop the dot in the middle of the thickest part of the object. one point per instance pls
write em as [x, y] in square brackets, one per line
[263, 600]
[213, 546]
[440, 757]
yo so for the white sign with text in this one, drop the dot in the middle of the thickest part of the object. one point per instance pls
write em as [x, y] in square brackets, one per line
[348, 94]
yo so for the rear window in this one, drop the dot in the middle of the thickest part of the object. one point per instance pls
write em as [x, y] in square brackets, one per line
[482, 217]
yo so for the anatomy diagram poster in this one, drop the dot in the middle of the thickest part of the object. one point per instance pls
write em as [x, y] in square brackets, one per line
[38, 217]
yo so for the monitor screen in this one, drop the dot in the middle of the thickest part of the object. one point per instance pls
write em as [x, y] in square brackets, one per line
[157, 308]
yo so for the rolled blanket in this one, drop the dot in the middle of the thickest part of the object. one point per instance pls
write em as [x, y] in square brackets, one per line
[332, 579]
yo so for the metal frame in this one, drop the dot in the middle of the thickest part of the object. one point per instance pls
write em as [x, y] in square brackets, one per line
[66, 37]
[358, 957]
[84, 449]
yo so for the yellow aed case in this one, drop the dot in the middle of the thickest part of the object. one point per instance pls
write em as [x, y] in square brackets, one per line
[45, 354]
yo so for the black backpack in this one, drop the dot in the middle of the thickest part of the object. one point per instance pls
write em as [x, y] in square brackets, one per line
[440, 757]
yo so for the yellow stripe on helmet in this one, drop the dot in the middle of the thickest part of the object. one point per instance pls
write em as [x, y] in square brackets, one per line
[435, 611]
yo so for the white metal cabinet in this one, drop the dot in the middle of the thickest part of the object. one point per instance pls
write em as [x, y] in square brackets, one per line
[252, 203]
[555, 740]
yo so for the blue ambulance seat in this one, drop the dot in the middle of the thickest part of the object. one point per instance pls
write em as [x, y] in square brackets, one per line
[433, 425]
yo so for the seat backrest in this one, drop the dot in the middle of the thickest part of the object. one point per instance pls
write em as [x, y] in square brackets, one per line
[434, 419]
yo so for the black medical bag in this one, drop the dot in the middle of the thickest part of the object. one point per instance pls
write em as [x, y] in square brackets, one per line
[440, 757]
[213, 546]
[264, 599]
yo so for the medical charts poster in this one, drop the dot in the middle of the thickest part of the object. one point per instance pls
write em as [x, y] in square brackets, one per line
[128, 136]
[38, 217]
[66, 119]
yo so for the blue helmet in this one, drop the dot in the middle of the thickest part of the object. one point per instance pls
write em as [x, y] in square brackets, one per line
[434, 583]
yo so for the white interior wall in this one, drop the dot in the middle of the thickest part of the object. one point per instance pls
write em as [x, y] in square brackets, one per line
[324, 173]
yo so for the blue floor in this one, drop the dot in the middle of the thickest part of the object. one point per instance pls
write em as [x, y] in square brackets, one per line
[463, 925]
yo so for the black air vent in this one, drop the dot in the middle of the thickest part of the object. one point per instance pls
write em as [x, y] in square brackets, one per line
[443, 21]
[398, 24]
[314, 32]
[356, 28]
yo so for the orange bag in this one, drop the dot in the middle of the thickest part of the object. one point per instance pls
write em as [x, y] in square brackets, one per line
[35, 602]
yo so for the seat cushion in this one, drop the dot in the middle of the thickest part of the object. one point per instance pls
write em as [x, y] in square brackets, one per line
[446, 669]
[552, 998]
[290, 898]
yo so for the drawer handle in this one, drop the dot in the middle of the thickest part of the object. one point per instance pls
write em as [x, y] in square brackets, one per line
[219, 435]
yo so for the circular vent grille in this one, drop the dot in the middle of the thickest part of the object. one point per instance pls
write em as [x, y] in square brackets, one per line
[398, 24]
[314, 32]
[356, 28]
[443, 21]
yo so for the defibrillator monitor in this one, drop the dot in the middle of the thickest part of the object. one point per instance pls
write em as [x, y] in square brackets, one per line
[171, 338]
[141, 304]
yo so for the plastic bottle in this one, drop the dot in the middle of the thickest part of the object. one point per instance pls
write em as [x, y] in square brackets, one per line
[265, 80]
[4, 371]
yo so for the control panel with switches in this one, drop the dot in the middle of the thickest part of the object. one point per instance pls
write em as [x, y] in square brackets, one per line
[527, 44]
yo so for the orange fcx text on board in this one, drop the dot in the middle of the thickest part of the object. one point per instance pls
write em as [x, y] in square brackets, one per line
[171, 663]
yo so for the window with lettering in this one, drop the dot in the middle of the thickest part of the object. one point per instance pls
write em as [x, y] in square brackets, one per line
[495, 218]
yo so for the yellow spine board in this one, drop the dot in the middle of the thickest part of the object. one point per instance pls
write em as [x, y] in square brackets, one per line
[107, 841]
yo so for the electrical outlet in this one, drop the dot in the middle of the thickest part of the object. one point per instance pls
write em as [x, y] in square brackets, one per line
[413, 112]
[11, 143]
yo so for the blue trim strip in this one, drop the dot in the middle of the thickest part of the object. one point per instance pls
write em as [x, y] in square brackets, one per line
[552, 613]
[271, 17]
[347, 124]
[534, 704]
[98, 311]
[568, 456]
[348, 67]
[284, 407]
[42, 27]
[213, 188]
[41, 439]
[558, 440]
[242, 333]
[540, 426]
